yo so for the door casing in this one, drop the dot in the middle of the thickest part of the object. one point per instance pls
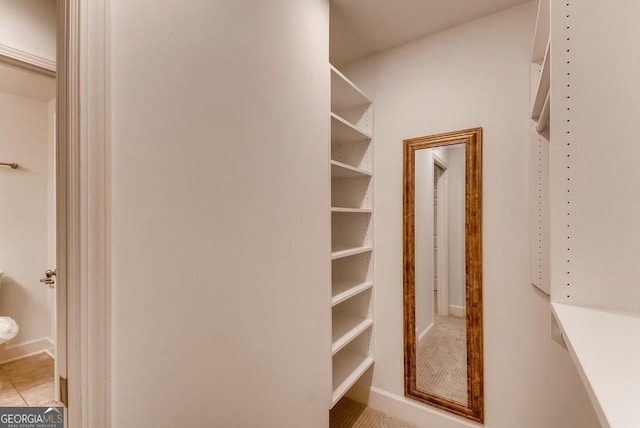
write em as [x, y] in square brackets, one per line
[82, 210]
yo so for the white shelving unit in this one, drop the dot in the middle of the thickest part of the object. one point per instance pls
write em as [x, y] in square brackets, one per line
[352, 283]
[542, 89]
[346, 328]
[343, 289]
[605, 349]
[543, 29]
[349, 364]
[342, 170]
[594, 246]
[540, 167]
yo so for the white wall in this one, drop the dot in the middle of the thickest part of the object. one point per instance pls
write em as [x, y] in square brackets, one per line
[456, 229]
[23, 222]
[29, 26]
[221, 228]
[473, 75]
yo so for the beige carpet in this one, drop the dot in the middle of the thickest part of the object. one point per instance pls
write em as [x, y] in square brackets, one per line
[351, 414]
[442, 360]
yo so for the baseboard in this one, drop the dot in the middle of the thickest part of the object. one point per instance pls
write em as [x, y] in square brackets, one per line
[456, 311]
[407, 410]
[16, 351]
[424, 332]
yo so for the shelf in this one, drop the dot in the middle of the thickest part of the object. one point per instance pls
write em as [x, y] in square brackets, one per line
[342, 170]
[543, 86]
[353, 192]
[542, 32]
[345, 289]
[605, 348]
[347, 369]
[338, 254]
[543, 121]
[351, 160]
[346, 328]
[344, 94]
[343, 131]
[351, 210]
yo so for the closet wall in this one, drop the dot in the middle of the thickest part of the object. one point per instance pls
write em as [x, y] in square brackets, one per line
[29, 26]
[473, 75]
[220, 213]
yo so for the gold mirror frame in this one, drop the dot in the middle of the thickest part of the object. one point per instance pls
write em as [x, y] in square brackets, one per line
[474, 409]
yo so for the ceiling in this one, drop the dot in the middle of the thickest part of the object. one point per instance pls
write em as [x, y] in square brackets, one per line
[360, 28]
[27, 84]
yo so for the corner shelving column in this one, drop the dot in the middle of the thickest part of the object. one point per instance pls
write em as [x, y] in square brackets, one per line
[539, 154]
[351, 233]
[595, 238]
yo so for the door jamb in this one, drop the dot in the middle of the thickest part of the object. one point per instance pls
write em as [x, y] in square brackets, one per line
[442, 258]
[83, 189]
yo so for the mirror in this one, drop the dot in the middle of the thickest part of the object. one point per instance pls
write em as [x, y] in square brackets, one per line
[443, 271]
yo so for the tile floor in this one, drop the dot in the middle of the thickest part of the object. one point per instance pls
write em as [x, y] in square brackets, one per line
[28, 382]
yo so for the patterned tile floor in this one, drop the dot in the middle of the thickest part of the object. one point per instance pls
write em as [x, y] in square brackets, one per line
[28, 382]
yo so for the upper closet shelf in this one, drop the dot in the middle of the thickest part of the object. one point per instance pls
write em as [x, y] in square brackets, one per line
[605, 348]
[351, 210]
[346, 252]
[342, 170]
[344, 94]
[544, 85]
[541, 36]
[344, 132]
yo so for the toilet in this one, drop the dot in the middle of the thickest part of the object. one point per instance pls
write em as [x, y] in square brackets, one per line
[8, 327]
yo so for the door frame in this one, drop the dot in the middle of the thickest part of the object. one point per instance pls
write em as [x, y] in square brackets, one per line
[442, 257]
[83, 208]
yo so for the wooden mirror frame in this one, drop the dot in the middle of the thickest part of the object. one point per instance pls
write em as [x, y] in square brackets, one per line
[474, 409]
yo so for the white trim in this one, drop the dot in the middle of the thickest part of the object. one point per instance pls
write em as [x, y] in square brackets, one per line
[440, 162]
[407, 410]
[26, 60]
[83, 246]
[17, 351]
[457, 311]
[443, 237]
[424, 332]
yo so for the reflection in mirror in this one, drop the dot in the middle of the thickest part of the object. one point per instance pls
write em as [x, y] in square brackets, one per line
[441, 356]
[443, 340]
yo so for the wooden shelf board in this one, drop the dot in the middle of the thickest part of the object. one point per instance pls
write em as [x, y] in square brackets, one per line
[351, 210]
[343, 131]
[544, 84]
[347, 369]
[342, 170]
[340, 253]
[605, 348]
[344, 94]
[346, 328]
